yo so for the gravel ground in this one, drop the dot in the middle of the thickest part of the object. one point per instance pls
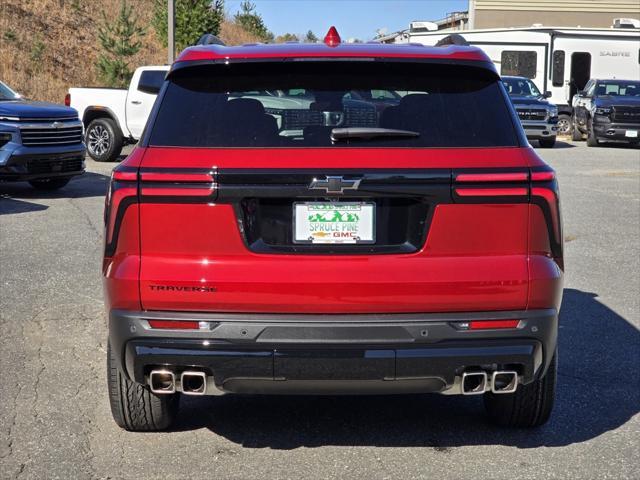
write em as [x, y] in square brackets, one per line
[54, 414]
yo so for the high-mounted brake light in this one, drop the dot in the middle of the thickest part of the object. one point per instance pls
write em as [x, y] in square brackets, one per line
[332, 38]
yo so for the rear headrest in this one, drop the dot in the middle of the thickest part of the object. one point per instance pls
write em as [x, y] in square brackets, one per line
[415, 100]
[245, 106]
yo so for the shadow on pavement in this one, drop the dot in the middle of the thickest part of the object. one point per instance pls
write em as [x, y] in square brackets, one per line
[560, 144]
[14, 194]
[599, 355]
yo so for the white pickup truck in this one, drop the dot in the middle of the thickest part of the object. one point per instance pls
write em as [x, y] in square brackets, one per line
[115, 117]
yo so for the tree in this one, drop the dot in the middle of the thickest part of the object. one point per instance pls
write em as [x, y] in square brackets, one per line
[310, 37]
[252, 21]
[120, 40]
[287, 37]
[193, 19]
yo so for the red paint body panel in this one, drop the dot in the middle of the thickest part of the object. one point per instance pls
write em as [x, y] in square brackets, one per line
[322, 158]
[121, 272]
[476, 257]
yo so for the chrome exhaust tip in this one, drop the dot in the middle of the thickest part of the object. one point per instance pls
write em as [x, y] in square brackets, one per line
[193, 383]
[504, 382]
[162, 381]
[474, 383]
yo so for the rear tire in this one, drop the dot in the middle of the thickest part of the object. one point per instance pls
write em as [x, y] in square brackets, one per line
[548, 142]
[529, 406]
[592, 141]
[133, 406]
[104, 140]
[49, 183]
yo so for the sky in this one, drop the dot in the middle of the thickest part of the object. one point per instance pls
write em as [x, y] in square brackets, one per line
[353, 18]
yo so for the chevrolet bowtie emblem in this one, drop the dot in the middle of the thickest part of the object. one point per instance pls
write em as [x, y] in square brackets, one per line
[334, 184]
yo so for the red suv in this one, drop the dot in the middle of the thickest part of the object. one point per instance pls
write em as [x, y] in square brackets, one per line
[332, 218]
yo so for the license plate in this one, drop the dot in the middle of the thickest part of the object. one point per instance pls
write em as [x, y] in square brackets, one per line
[334, 222]
[631, 133]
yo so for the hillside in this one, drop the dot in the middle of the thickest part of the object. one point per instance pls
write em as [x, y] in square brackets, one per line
[47, 46]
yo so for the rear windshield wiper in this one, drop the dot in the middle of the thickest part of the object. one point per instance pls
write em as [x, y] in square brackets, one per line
[365, 133]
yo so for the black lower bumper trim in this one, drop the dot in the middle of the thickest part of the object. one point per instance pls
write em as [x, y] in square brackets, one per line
[309, 353]
[32, 167]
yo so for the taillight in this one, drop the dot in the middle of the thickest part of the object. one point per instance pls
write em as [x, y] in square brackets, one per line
[498, 186]
[545, 194]
[67, 99]
[122, 192]
[171, 182]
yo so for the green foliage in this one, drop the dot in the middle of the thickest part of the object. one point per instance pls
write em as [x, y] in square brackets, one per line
[287, 37]
[36, 54]
[252, 22]
[193, 19]
[310, 37]
[119, 39]
[10, 35]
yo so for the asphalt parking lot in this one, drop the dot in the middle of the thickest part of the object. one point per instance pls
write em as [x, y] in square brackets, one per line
[54, 413]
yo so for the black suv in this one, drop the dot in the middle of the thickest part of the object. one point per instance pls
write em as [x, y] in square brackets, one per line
[607, 110]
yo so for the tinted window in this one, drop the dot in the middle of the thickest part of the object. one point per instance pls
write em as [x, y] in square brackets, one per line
[519, 63]
[522, 87]
[619, 88]
[299, 104]
[558, 68]
[151, 80]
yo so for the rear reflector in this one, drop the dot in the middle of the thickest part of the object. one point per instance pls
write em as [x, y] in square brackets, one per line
[492, 324]
[174, 324]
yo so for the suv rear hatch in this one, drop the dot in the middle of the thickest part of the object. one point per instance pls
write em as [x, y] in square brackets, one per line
[333, 187]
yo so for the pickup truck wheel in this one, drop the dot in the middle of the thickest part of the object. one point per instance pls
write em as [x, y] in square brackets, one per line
[592, 141]
[565, 125]
[133, 406]
[548, 142]
[104, 140]
[49, 183]
[529, 406]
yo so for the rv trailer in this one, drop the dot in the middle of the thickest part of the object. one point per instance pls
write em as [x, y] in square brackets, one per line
[558, 60]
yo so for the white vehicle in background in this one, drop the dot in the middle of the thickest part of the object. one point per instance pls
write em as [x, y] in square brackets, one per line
[115, 117]
[559, 60]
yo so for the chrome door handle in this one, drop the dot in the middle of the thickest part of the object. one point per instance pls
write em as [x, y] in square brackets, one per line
[136, 102]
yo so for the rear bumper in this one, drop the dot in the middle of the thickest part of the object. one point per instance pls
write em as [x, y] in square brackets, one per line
[313, 354]
[43, 165]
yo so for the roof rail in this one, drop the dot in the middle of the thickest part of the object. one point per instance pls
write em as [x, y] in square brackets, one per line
[209, 39]
[452, 39]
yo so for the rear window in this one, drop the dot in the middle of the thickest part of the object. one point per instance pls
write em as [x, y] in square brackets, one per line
[304, 104]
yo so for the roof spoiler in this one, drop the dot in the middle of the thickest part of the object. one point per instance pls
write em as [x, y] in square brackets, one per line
[209, 39]
[452, 39]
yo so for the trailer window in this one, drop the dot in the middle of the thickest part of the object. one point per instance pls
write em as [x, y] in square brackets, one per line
[557, 77]
[519, 63]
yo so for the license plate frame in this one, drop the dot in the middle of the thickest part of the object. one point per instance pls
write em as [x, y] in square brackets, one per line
[368, 209]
